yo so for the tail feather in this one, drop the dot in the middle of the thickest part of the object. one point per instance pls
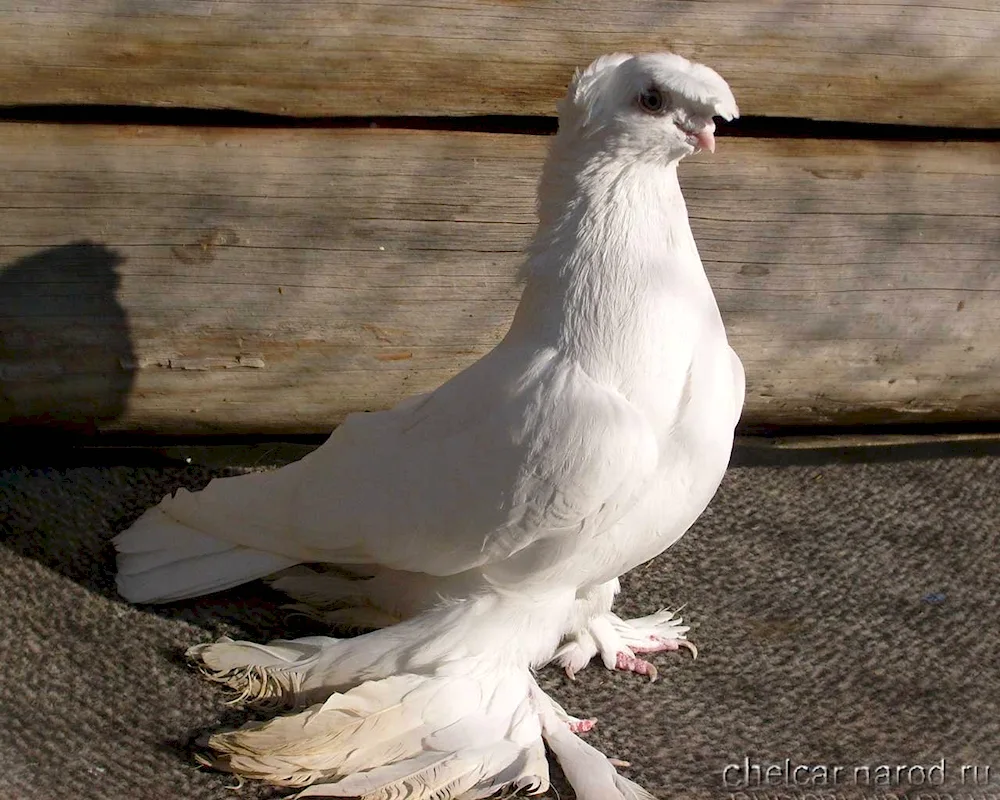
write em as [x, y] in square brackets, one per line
[233, 531]
[136, 540]
[161, 560]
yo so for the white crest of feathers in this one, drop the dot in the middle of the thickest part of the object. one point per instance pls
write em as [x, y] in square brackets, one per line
[699, 85]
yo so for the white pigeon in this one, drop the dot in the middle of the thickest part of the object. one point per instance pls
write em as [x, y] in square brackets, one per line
[483, 526]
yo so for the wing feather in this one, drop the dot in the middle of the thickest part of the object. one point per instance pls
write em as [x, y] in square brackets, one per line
[477, 471]
[500, 458]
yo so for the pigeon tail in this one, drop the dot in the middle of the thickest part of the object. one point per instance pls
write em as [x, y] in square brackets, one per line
[161, 559]
[194, 543]
[442, 706]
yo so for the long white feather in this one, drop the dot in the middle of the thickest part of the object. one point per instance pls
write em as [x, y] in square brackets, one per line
[469, 729]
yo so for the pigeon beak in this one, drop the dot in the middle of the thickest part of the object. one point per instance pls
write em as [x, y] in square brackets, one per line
[704, 139]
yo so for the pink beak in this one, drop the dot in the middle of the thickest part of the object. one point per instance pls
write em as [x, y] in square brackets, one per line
[705, 138]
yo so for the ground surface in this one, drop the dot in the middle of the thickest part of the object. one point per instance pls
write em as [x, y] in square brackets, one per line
[847, 615]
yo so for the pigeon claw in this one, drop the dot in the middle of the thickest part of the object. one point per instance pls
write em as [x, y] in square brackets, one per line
[659, 644]
[582, 725]
[627, 662]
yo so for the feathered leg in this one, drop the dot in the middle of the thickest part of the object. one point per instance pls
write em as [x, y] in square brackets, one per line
[463, 732]
[591, 774]
[389, 596]
[442, 707]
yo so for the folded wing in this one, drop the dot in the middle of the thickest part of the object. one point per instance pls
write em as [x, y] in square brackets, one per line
[484, 467]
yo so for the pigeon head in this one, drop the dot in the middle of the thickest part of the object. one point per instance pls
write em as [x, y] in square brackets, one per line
[657, 107]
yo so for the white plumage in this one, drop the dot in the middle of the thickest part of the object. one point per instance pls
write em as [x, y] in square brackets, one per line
[490, 519]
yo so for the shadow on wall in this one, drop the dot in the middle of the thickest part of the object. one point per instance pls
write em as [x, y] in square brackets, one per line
[65, 349]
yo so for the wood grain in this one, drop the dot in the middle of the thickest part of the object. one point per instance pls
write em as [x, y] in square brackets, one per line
[208, 280]
[916, 62]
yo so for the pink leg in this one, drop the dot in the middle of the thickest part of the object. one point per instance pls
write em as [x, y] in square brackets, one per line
[659, 644]
[629, 663]
[582, 725]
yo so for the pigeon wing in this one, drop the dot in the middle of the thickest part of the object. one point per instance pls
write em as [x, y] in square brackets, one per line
[473, 473]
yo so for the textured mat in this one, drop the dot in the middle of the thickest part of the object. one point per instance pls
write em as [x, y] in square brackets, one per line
[847, 616]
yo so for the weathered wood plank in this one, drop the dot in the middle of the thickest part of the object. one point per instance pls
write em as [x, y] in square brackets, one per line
[196, 280]
[913, 61]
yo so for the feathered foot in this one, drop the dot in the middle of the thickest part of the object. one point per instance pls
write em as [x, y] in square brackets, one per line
[620, 642]
[270, 675]
[591, 774]
[575, 724]
[462, 734]
[300, 672]
[446, 736]
[443, 707]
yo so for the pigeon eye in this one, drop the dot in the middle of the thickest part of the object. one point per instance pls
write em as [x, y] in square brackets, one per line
[652, 101]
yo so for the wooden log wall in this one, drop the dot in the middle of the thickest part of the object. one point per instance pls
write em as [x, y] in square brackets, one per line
[261, 275]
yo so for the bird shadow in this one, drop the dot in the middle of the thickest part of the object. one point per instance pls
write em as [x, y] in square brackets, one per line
[66, 352]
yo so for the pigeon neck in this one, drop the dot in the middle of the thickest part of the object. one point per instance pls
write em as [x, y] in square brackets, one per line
[606, 216]
[613, 260]
[611, 227]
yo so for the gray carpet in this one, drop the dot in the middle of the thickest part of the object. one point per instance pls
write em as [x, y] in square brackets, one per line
[847, 615]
